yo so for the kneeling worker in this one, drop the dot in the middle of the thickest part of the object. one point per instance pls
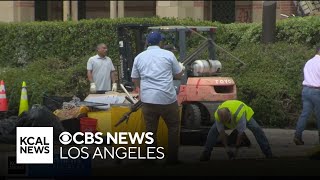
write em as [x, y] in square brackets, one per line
[234, 114]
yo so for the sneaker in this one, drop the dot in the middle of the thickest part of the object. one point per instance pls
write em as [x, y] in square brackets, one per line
[205, 156]
[298, 141]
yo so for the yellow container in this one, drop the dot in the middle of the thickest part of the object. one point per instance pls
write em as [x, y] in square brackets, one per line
[136, 123]
[104, 120]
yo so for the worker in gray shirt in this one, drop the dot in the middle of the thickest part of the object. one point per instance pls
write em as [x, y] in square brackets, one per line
[100, 71]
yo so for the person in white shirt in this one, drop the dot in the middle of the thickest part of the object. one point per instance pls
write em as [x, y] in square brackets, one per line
[310, 96]
[100, 71]
[153, 72]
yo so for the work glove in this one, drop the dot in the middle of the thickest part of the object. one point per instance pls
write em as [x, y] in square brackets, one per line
[182, 66]
[114, 87]
[93, 88]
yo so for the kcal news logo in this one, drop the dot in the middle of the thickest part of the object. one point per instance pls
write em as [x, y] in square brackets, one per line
[34, 145]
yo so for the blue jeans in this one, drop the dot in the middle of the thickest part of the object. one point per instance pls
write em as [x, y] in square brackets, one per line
[311, 102]
[253, 126]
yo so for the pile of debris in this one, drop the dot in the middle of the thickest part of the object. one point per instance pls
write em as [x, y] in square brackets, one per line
[37, 116]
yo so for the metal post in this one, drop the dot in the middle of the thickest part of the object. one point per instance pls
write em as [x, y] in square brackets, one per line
[182, 44]
[183, 54]
[211, 47]
[269, 21]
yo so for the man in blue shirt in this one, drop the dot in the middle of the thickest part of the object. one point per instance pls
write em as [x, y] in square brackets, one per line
[153, 72]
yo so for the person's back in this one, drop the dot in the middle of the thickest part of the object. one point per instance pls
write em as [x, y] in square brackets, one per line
[311, 72]
[156, 69]
[153, 71]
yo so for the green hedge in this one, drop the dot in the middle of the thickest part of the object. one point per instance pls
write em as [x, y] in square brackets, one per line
[46, 76]
[271, 80]
[24, 42]
[54, 55]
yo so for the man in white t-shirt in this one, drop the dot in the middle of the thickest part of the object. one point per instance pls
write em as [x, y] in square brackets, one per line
[100, 71]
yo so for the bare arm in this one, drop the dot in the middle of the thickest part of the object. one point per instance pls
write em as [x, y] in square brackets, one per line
[136, 82]
[89, 74]
[113, 76]
[178, 76]
[239, 138]
[224, 139]
[241, 126]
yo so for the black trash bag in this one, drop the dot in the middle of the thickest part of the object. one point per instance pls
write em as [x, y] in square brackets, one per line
[8, 125]
[7, 128]
[54, 102]
[37, 116]
[40, 116]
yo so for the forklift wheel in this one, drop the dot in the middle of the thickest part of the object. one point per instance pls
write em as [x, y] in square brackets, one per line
[192, 117]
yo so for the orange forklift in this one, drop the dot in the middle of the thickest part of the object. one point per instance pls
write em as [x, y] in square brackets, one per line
[201, 89]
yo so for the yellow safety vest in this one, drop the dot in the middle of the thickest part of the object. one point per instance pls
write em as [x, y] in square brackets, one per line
[236, 108]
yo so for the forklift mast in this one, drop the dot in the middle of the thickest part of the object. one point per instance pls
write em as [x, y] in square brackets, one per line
[129, 49]
[188, 59]
[132, 41]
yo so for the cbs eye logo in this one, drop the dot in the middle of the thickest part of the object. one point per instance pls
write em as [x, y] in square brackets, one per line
[65, 138]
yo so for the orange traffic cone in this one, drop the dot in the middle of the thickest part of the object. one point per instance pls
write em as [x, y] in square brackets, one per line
[3, 98]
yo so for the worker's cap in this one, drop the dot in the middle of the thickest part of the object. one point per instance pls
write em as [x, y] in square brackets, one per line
[154, 38]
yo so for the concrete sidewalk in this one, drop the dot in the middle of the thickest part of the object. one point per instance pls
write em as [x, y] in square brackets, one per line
[281, 142]
[291, 160]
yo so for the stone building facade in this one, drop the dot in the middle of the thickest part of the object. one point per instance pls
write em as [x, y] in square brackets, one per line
[223, 11]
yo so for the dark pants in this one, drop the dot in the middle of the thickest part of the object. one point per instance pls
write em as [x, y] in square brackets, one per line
[170, 114]
[253, 126]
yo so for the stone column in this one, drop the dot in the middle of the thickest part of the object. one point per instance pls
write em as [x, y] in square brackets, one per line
[23, 11]
[196, 10]
[181, 9]
[120, 9]
[113, 9]
[74, 10]
[167, 9]
[66, 10]
[6, 11]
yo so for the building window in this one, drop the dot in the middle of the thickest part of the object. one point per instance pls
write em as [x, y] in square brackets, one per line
[223, 11]
[139, 8]
[41, 10]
